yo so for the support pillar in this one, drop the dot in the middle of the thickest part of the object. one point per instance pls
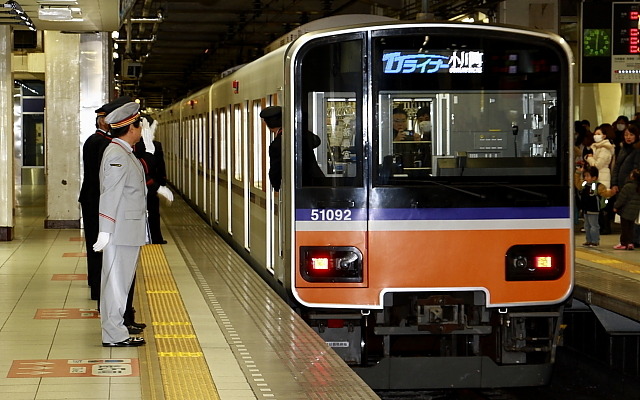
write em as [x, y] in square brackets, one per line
[62, 122]
[6, 137]
[538, 14]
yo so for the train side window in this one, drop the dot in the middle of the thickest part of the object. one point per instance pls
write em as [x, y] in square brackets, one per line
[328, 125]
[201, 141]
[223, 139]
[238, 143]
[258, 134]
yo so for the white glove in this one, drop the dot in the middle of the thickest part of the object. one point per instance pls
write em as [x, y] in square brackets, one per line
[166, 193]
[148, 133]
[103, 240]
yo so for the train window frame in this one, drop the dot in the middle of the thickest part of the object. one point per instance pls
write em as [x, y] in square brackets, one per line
[384, 41]
[308, 117]
[222, 140]
[258, 139]
[239, 143]
[201, 129]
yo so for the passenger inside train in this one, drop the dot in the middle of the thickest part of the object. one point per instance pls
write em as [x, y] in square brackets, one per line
[473, 134]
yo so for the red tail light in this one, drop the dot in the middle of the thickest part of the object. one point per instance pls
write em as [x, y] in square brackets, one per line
[331, 264]
[535, 262]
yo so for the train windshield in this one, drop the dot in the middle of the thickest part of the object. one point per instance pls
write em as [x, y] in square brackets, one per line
[465, 108]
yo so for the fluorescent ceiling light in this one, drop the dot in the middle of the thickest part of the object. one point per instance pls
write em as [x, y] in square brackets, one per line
[55, 14]
[60, 13]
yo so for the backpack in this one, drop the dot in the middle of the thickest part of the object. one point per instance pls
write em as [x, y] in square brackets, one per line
[593, 191]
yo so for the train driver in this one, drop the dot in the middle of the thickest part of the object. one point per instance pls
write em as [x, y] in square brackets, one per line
[272, 117]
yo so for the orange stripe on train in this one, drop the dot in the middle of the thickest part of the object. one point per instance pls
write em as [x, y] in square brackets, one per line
[435, 259]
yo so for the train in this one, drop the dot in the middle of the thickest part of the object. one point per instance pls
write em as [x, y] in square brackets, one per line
[438, 258]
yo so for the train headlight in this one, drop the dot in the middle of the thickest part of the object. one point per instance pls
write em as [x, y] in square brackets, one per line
[520, 262]
[331, 264]
[535, 262]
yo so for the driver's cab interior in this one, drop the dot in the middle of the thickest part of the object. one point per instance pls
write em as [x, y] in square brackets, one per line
[482, 133]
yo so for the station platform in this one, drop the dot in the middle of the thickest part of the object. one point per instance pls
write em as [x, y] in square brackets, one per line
[214, 329]
[608, 278]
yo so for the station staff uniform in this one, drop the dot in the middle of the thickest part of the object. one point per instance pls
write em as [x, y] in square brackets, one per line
[123, 223]
[92, 151]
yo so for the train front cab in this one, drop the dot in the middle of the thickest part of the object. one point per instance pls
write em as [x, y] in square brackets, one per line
[441, 260]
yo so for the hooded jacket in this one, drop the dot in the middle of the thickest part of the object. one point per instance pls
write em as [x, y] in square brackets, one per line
[628, 202]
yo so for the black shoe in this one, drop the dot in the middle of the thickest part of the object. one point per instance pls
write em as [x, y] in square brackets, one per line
[139, 325]
[134, 330]
[131, 342]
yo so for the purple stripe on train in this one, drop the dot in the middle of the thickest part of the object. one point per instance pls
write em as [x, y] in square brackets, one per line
[408, 214]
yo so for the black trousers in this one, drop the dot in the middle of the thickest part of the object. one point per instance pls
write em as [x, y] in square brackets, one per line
[94, 260]
[129, 312]
[626, 231]
[153, 216]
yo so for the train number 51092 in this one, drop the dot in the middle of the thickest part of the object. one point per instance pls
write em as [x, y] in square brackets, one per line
[329, 214]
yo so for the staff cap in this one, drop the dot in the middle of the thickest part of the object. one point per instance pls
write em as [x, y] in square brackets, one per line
[123, 115]
[109, 107]
[271, 111]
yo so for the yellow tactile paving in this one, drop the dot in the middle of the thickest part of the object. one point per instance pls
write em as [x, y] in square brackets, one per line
[607, 260]
[184, 371]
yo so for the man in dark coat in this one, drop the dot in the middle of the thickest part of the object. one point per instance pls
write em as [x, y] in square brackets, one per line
[311, 172]
[150, 154]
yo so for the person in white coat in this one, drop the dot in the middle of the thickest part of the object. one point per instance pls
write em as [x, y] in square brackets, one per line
[603, 151]
[123, 223]
[602, 156]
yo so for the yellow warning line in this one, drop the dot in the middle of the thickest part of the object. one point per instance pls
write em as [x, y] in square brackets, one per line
[184, 371]
[606, 260]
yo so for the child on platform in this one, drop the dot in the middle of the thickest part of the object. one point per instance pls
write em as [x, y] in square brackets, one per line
[592, 200]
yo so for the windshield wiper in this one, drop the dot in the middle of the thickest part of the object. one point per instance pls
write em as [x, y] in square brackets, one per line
[542, 195]
[481, 196]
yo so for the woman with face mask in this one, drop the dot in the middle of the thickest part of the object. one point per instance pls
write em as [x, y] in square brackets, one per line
[603, 158]
[603, 151]
[620, 126]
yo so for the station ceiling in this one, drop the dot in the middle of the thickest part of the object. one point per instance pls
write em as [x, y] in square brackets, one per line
[181, 46]
[198, 40]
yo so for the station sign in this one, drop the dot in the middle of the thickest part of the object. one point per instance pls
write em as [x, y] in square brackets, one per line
[438, 61]
[85, 368]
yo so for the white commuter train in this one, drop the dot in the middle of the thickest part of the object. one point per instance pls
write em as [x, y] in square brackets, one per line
[440, 261]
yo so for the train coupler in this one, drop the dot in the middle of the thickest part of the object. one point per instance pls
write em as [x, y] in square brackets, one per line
[441, 314]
